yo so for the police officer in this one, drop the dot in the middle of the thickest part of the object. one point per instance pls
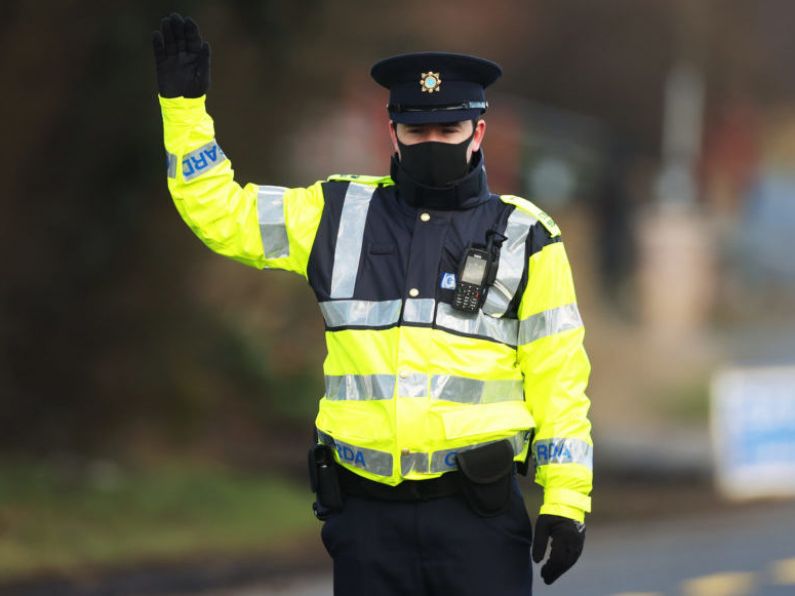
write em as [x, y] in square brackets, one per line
[454, 341]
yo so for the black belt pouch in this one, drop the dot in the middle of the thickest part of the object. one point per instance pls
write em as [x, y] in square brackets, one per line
[486, 476]
[324, 481]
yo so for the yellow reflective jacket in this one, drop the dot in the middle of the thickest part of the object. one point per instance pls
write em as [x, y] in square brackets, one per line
[410, 381]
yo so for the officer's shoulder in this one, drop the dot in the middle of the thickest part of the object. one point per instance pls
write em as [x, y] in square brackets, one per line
[534, 210]
[362, 179]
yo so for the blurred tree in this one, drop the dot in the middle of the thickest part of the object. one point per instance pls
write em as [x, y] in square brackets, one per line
[102, 334]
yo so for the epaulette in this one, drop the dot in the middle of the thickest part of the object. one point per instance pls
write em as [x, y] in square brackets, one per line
[535, 211]
[362, 179]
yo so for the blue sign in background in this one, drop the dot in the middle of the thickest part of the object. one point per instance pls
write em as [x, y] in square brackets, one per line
[753, 422]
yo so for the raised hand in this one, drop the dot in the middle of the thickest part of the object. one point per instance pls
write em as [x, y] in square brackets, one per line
[182, 58]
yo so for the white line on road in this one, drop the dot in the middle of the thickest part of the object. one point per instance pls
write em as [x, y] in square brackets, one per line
[735, 583]
[783, 572]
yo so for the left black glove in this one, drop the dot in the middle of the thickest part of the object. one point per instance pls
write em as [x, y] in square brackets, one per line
[568, 538]
[181, 57]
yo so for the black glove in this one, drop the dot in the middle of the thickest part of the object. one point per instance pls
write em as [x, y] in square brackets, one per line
[183, 60]
[568, 537]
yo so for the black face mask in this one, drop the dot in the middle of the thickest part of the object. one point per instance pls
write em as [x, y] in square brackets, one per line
[435, 164]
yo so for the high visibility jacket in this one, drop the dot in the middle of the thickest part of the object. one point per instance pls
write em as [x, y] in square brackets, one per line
[410, 381]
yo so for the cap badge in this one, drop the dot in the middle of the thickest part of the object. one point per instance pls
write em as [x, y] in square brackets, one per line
[430, 82]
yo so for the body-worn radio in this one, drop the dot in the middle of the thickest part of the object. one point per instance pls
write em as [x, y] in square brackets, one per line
[477, 272]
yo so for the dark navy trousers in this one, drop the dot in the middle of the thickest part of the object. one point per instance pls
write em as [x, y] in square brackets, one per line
[438, 547]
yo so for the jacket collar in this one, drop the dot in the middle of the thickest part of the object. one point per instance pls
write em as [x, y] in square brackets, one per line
[464, 193]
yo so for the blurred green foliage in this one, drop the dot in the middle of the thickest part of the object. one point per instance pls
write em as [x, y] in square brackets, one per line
[105, 337]
[686, 402]
[60, 518]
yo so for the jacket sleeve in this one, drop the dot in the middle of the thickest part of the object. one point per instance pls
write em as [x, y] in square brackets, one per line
[261, 226]
[556, 369]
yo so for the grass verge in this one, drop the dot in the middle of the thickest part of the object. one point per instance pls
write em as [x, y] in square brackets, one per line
[57, 519]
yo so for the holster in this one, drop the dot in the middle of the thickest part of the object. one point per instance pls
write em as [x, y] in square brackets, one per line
[486, 476]
[324, 481]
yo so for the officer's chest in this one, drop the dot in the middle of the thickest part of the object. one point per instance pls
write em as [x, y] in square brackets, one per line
[385, 250]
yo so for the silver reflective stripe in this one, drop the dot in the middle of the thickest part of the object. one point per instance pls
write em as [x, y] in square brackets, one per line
[171, 165]
[444, 461]
[360, 387]
[412, 385]
[377, 462]
[200, 160]
[419, 310]
[348, 251]
[511, 264]
[270, 210]
[444, 387]
[413, 462]
[360, 313]
[475, 391]
[380, 462]
[563, 451]
[480, 325]
[549, 322]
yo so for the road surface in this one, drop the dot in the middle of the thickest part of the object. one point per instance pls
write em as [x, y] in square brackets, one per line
[739, 551]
